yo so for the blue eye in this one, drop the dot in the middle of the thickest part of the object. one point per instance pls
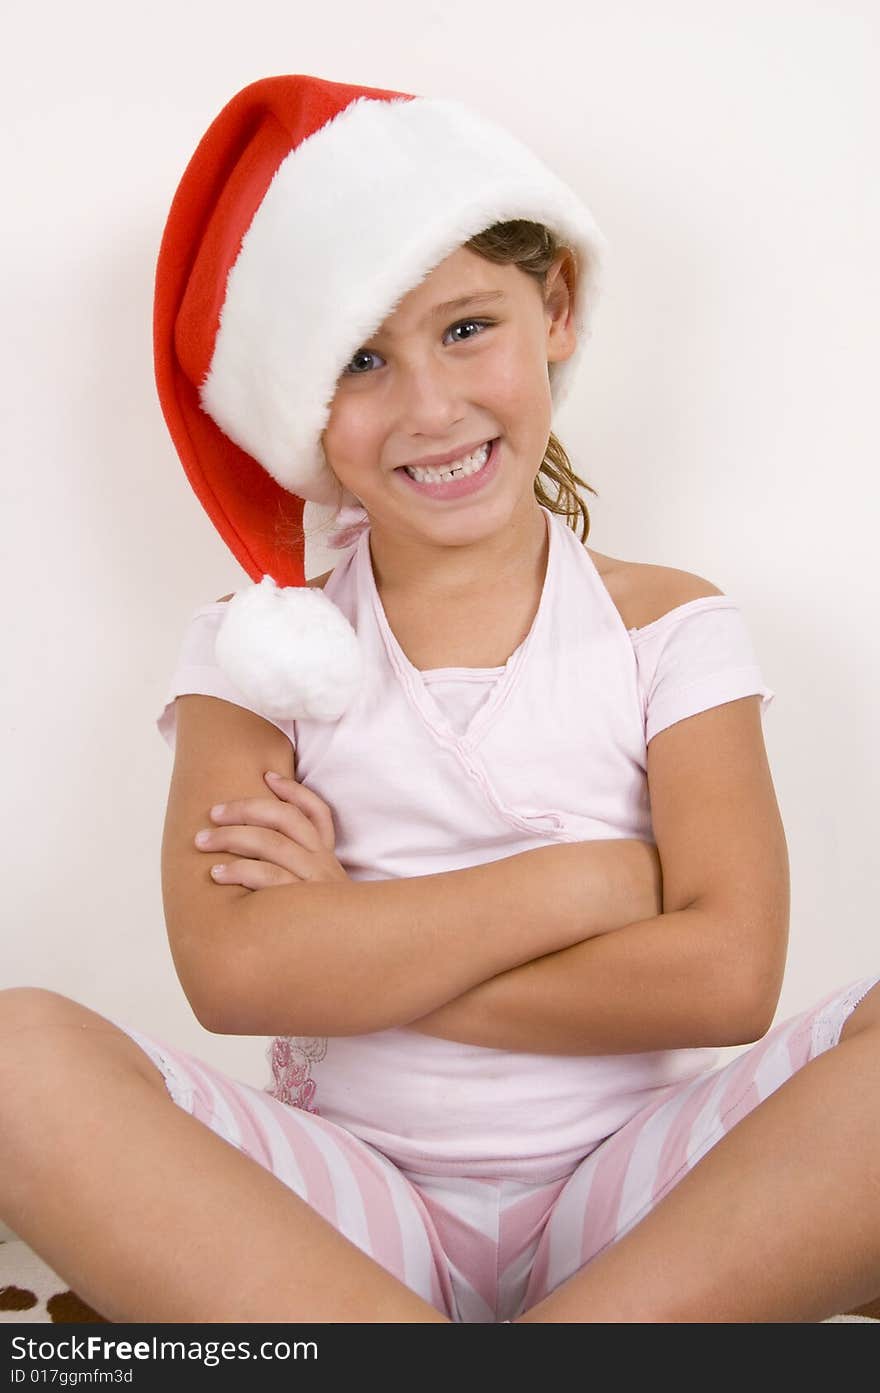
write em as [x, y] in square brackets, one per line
[362, 353]
[463, 323]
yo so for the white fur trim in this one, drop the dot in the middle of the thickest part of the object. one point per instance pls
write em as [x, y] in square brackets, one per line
[356, 216]
[291, 651]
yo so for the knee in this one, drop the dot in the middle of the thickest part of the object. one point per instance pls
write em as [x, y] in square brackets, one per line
[26, 1015]
[22, 1007]
[45, 1036]
[33, 1020]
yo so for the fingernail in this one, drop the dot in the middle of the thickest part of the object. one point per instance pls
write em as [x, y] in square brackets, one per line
[272, 775]
[218, 810]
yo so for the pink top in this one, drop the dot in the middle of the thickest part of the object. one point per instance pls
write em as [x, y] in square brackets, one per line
[451, 767]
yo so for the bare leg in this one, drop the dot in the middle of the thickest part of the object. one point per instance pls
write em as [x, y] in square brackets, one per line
[142, 1208]
[779, 1221]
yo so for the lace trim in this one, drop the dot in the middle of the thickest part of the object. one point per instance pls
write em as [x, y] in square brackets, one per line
[826, 1030]
[291, 1058]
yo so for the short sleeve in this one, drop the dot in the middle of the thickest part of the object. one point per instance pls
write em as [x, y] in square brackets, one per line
[697, 656]
[197, 671]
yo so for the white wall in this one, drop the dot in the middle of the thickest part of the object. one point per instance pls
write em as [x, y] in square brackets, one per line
[726, 412]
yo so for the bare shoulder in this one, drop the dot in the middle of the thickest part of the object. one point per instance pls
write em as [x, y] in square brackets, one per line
[643, 592]
[320, 581]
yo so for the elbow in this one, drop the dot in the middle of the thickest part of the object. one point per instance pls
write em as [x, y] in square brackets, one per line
[731, 1021]
[753, 1009]
[235, 997]
[759, 1019]
[224, 1006]
[210, 1019]
[220, 1017]
[207, 1006]
[747, 1027]
[745, 977]
[204, 982]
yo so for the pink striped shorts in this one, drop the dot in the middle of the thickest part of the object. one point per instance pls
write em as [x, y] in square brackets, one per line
[482, 1250]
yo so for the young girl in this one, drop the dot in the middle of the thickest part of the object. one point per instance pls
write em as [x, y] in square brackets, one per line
[496, 973]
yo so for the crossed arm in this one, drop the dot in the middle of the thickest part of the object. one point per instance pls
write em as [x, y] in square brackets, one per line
[561, 949]
[709, 968]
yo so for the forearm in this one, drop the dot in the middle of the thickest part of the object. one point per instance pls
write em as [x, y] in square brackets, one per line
[352, 957]
[659, 983]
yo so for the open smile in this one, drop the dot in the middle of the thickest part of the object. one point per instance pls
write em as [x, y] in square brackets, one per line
[457, 480]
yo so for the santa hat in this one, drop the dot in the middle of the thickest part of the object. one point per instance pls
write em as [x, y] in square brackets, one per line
[307, 212]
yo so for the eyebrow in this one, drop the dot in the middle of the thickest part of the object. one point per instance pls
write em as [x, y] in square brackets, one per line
[477, 297]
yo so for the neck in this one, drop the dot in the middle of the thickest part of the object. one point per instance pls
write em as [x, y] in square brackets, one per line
[444, 573]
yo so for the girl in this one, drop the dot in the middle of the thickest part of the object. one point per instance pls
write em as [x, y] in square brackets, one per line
[496, 974]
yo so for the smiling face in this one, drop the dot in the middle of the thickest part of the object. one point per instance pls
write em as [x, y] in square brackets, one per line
[439, 379]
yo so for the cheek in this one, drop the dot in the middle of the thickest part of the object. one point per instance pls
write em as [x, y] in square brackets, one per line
[517, 362]
[521, 387]
[347, 438]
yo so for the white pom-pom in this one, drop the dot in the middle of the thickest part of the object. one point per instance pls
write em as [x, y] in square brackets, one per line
[291, 651]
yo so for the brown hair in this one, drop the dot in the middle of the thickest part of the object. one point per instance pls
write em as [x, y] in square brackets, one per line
[534, 248]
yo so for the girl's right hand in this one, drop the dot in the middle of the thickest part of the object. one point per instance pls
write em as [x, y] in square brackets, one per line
[282, 840]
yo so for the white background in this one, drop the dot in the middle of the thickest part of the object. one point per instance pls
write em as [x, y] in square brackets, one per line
[724, 410]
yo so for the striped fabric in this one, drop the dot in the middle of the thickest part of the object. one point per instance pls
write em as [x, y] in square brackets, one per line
[483, 1250]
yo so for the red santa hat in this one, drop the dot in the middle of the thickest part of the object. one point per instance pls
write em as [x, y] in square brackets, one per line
[307, 212]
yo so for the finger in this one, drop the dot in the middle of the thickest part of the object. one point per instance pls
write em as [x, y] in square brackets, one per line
[262, 844]
[283, 817]
[311, 803]
[253, 875]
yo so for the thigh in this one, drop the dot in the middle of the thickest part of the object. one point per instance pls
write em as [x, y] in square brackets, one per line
[350, 1183]
[626, 1175]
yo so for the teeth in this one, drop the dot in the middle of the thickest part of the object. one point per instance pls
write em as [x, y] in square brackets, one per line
[468, 464]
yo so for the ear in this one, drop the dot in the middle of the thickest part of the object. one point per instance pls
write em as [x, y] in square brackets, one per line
[559, 292]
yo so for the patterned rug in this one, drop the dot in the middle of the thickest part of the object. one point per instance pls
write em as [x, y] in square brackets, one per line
[31, 1291]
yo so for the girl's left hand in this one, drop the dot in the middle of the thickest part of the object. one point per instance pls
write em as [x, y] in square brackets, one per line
[280, 840]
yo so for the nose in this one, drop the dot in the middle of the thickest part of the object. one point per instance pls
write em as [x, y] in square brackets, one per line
[430, 399]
